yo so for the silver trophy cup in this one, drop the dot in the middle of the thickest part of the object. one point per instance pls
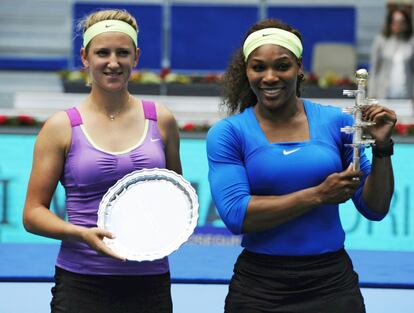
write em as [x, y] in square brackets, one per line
[361, 100]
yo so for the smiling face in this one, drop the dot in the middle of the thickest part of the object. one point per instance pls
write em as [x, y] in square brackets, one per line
[273, 72]
[110, 59]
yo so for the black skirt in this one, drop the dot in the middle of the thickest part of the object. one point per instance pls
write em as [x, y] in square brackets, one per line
[323, 283]
[77, 293]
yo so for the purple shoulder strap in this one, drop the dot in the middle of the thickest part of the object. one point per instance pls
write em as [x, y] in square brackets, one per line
[149, 110]
[74, 117]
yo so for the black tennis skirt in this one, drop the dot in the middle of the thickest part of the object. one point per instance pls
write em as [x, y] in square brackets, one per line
[323, 283]
[77, 293]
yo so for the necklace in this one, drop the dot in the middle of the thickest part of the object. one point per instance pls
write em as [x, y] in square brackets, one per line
[113, 116]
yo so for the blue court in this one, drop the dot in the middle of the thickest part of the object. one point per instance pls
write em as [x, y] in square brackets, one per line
[200, 275]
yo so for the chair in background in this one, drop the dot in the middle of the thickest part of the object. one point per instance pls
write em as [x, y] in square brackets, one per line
[330, 57]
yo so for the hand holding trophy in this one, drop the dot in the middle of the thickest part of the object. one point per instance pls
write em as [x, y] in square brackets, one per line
[361, 100]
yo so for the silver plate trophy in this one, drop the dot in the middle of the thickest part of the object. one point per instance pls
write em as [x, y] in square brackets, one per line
[361, 100]
[151, 212]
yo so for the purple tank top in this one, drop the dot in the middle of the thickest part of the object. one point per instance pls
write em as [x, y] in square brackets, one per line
[88, 174]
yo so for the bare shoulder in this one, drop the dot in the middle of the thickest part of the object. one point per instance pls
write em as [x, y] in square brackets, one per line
[169, 132]
[57, 129]
[165, 116]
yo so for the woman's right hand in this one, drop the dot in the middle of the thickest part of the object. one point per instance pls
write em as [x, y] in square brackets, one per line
[94, 236]
[339, 187]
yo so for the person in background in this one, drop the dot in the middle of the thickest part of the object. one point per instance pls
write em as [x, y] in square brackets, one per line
[88, 148]
[392, 59]
[279, 167]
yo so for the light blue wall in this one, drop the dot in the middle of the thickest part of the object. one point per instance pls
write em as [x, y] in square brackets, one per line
[395, 232]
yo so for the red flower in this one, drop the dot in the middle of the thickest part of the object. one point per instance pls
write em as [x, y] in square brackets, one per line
[26, 119]
[312, 78]
[164, 72]
[402, 129]
[3, 119]
[189, 127]
[211, 78]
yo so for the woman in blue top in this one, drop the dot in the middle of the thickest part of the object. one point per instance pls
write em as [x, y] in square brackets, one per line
[278, 168]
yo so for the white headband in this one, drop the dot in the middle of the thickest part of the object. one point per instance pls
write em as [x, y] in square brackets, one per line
[110, 26]
[274, 36]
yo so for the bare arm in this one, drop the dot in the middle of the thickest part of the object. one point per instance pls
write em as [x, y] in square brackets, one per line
[48, 161]
[170, 135]
[379, 186]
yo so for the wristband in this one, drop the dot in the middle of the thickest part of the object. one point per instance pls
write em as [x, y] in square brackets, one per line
[382, 151]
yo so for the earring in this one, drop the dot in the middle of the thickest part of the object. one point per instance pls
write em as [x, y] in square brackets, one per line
[88, 81]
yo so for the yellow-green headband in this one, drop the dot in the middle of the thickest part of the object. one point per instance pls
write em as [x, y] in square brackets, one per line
[110, 26]
[274, 36]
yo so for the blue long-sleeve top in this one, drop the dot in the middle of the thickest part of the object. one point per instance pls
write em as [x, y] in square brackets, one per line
[242, 163]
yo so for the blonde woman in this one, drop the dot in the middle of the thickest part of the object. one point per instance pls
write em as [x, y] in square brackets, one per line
[88, 148]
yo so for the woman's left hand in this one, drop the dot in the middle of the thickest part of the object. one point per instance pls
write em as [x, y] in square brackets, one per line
[384, 119]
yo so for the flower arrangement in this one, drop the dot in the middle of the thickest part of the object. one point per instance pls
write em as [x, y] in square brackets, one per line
[404, 129]
[31, 121]
[193, 127]
[150, 77]
[165, 75]
[330, 79]
[20, 120]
